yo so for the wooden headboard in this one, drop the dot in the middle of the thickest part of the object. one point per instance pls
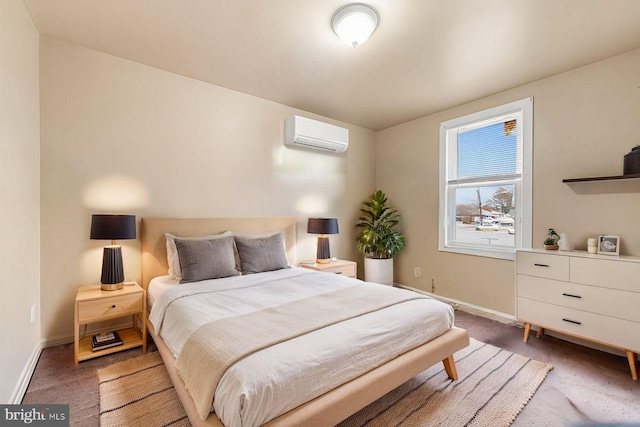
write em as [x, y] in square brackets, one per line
[154, 251]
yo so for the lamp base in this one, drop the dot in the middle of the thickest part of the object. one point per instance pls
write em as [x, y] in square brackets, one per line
[111, 287]
[323, 253]
[112, 272]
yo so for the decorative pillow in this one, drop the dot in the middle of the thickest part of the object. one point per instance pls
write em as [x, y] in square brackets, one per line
[261, 254]
[251, 236]
[206, 259]
[172, 254]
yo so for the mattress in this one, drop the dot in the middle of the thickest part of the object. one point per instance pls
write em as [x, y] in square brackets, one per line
[158, 286]
[272, 381]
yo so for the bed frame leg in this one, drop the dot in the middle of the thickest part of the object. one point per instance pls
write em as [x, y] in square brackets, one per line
[450, 367]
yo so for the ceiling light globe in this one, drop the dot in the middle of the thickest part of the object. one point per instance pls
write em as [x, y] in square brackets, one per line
[354, 23]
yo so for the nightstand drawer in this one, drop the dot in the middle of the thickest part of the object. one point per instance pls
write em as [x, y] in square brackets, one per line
[343, 267]
[346, 270]
[109, 307]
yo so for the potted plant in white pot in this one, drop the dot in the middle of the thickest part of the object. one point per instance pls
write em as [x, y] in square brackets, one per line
[379, 239]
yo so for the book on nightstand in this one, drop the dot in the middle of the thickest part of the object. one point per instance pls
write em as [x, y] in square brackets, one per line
[106, 340]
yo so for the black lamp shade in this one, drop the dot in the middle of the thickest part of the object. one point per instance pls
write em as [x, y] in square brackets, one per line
[113, 227]
[322, 226]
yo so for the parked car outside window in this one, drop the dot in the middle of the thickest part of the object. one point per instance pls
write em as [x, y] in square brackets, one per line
[486, 226]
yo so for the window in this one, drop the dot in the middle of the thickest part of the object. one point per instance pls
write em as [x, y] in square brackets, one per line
[485, 181]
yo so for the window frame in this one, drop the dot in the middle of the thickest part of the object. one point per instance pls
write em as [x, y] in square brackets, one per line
[523, 184]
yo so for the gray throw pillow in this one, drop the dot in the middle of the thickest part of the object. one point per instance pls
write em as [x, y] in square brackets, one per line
[261, 254]
[206, 259]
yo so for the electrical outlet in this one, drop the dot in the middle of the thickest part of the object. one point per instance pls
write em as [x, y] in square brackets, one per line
[33, 313]
[417, 272]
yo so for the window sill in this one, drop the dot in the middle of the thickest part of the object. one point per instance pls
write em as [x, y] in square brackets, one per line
[508, 254]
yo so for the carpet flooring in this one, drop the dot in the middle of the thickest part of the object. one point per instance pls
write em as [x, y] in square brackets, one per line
[493, 387]
[586, 386]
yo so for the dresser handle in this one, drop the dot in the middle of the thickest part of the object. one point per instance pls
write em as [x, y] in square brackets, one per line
[572, 321]
[571, 295]
[541, 265]
[113, 306]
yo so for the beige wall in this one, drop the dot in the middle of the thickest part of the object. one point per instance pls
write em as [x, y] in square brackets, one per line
[19, 192]
[118, 136]
[585, 121]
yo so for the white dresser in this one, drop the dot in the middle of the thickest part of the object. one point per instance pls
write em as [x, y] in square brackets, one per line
[594, 297]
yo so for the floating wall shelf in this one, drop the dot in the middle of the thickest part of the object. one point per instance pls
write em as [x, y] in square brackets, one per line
[605, 184]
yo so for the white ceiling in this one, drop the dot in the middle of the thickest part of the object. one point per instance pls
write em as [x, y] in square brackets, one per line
[425, 56]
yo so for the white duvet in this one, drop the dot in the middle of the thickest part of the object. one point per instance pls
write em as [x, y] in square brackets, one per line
[275, 380]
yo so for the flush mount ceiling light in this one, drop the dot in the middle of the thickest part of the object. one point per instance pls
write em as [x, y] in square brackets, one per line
[354, 23]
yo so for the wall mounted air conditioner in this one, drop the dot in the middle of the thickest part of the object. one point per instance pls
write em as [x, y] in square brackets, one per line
[307, 133]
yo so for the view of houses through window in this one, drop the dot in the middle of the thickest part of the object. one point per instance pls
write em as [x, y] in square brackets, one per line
[485, 215]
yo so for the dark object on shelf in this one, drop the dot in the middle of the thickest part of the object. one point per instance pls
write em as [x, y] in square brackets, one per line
[632, 161]
[102, 341]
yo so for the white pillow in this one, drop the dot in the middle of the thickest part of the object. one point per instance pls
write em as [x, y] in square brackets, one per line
[172, 253]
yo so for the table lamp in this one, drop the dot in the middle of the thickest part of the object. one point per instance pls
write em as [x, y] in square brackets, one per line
[112, 227]
[323, 226]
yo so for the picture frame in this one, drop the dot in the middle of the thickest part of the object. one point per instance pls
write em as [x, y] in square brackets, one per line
[609, 244]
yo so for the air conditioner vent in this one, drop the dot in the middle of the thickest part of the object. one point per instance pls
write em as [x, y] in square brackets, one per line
[311, 134]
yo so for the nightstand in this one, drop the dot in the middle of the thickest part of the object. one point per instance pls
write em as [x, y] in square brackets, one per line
[95, 305]
[347, 268]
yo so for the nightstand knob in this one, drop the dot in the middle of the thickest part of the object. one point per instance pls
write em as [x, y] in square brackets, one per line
[113, 306]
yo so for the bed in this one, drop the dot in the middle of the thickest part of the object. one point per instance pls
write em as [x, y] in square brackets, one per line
[326, 407]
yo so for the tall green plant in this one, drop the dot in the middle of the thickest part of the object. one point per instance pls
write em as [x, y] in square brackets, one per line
[378, 236]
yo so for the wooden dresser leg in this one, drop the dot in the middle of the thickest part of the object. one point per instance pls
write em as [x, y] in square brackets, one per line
[631, 356]
[540, 332]
[527, 329]
[450, 367]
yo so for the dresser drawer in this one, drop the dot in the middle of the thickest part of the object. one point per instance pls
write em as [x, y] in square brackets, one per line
[617, 332]
[607, 273]
[109, 307]
[543, 265]
[609, 302]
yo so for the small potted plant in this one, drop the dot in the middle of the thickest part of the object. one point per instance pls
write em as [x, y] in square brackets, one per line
[551, 242]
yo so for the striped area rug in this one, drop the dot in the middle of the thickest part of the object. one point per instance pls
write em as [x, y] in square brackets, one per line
[138, 393]
[494, 386]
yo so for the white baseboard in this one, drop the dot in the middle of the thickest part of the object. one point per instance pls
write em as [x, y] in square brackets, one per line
[52, 342]
[27, 373]
[469, 308]
[30, 366]
[67, 339]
